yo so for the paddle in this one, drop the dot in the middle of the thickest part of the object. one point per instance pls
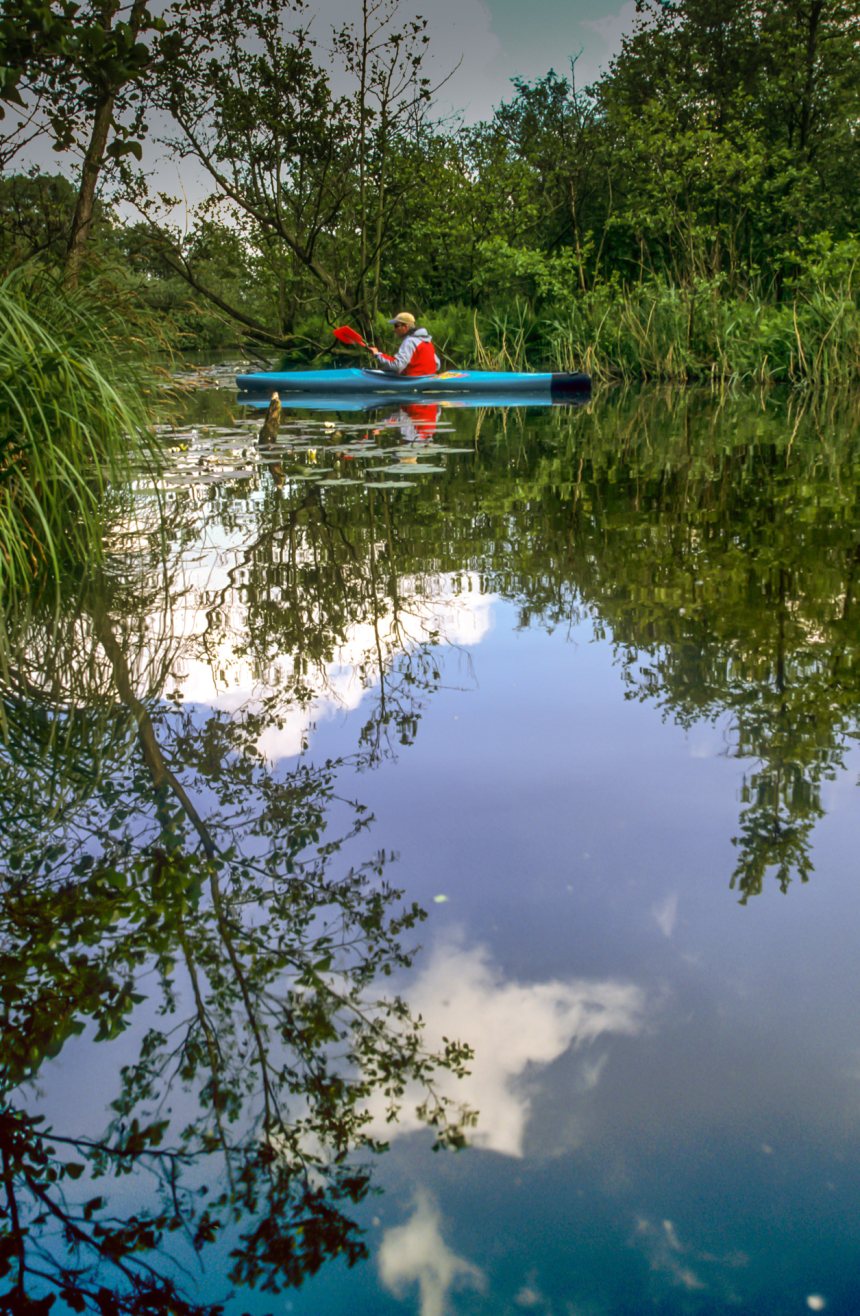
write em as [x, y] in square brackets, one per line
[344, 334]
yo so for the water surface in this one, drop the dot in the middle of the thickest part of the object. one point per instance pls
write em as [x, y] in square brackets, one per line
[579, 684]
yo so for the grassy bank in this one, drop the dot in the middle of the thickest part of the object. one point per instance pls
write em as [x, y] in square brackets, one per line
[74, 375]
[660, 332]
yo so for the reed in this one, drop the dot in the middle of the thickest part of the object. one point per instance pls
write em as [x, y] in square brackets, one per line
[659, 332]
[73, 425]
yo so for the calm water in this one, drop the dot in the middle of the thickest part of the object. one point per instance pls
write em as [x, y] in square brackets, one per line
[578, 684]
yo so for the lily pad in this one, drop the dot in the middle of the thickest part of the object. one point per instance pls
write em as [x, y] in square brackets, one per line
[413, 468]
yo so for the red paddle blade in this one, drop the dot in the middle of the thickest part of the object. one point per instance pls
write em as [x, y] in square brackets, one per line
[344, 334]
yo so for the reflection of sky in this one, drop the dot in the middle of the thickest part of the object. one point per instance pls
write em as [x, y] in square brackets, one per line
[416, 1253]
[668, 1083]
[701, 1150]
[516, 1029]
[457, 613]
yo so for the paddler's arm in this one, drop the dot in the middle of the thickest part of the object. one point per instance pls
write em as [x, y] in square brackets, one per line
[385, 361]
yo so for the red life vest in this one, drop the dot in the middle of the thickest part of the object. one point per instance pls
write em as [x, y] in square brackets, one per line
[423, 360]
[424, 417]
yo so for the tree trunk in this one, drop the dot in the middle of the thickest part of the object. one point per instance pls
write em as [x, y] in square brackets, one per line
[94, 158]
[83, 218]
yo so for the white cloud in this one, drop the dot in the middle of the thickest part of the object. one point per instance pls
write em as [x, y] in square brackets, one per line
[416, 1253]
[665, 1253]
[442, 610]
[609, 30]
[463, 52]
[514, 1029]
[666, 915]
[673, 1260]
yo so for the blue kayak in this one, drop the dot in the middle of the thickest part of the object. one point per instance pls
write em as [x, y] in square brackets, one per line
[487, 383]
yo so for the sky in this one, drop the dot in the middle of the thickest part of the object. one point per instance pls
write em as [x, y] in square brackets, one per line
[481, 44]
[496, 40]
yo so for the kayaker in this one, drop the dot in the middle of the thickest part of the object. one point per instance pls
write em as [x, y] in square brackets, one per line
[415, 355]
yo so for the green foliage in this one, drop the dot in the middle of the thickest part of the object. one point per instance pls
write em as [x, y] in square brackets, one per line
[661, 331]
[150, 847]
[73, 423]
[691, 196]
[56, 53]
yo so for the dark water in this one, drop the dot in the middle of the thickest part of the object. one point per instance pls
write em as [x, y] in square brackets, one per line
[578, 684]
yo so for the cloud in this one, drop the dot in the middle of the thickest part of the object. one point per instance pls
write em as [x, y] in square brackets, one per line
[666, 1253]
[515, 1028]
[529, 1297]
[666, 915]
[610, 30]
[462, 54]
[438, 610]
[670, 1258]
[416, 1253]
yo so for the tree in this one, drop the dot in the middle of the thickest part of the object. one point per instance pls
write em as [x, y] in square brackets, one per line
[730, 120]
[552, 127]
[306, 175]
[83, 75]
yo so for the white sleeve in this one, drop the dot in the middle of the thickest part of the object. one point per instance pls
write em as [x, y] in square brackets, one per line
[405, 353]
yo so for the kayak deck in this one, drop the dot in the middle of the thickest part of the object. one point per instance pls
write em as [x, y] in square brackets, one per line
[380, 382]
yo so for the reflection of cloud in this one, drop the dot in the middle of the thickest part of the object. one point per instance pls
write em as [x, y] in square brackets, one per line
[666, 915]
[433, 611]
[417, 1253]
[669, 1257]
[529, 1296]
[512, 1027]
[665, 1252]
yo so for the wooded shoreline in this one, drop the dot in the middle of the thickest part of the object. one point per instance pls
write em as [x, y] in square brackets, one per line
[695, 212]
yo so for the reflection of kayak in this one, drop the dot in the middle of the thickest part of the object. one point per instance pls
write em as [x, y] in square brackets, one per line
[451, 382]
[259, 400]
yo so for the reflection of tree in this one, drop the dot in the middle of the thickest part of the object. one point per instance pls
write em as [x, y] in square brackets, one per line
[713, 540]
[150, 847]
[716, 543]
[319, 579]
[193, 872]
[721, 553]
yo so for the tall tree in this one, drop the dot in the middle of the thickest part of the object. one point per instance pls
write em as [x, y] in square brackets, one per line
[81, 75]
[733, 122]
[307, 173]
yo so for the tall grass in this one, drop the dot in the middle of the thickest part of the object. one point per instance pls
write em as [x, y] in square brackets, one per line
[661, 332]
[658, 331]
[73, 423]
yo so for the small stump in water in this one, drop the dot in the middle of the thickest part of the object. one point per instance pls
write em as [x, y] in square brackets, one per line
[269, 428]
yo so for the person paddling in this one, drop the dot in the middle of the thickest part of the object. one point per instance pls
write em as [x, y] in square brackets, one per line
[415, 355]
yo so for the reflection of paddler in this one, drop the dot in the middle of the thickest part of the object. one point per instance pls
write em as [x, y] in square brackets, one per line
[418, 420]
